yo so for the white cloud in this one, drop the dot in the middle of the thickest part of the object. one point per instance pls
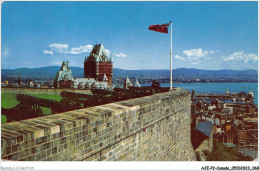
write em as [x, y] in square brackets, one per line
[59, 48]
[242, 57]
[64, 49]
[79, 50]
[179, 57]
[121, 55]
[47, 52]
[194, 54]
[194, 63]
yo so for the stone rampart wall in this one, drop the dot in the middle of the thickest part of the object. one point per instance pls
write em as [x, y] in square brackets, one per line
[154, 128]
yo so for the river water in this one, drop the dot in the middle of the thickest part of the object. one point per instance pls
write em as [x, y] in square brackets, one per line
[218, 88]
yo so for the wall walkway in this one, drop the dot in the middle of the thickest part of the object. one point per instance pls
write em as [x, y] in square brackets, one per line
[154, 128]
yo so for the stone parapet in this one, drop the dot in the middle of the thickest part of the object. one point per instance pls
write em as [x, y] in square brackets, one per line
[151, 128]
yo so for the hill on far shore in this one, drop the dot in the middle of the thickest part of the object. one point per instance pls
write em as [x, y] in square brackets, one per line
[50, 72]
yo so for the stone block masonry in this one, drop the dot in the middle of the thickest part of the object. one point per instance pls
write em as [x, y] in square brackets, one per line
[151, 128]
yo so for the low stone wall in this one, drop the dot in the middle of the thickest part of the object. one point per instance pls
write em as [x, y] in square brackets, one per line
[154, 128]
[40, 90]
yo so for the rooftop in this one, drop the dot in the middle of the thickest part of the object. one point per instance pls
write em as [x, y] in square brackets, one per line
[205, 127]
[99, 53]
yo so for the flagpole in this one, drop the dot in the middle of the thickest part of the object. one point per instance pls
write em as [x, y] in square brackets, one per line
[171, 60]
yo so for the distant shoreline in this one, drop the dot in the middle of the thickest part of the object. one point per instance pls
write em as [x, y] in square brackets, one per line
[206, 82]
[180, 75]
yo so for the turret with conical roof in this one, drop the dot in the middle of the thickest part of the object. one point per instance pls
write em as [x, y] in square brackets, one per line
[136, 84]
[127, 83]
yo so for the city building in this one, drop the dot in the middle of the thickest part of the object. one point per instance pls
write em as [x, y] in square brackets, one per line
[98, 65]
[31, 84]
[127, 83]
[89, 83]
[63, 77]
[235, 121]
[202, 139]
[19, 80]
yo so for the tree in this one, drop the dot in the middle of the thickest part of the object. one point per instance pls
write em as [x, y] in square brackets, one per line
[223, 153]
[156, 86]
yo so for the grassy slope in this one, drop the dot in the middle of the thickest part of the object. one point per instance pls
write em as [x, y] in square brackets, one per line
[56, 97]
[8, 100]
[3, 119]
[46, 111]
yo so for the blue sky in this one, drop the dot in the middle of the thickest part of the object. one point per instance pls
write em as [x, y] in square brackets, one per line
[206, 35]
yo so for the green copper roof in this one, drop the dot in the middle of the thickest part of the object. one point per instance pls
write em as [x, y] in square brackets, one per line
[99, 53]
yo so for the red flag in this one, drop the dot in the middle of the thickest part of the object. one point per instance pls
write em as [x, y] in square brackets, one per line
[160, 28]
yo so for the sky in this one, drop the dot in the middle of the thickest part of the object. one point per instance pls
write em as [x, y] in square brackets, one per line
[206, 35]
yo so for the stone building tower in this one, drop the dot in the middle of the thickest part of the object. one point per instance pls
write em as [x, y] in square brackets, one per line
[98, 65]
[19, 80]
[63, 77]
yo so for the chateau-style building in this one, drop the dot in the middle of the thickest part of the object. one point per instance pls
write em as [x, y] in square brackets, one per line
[98, 65]
[98, 71]
[63, 77]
